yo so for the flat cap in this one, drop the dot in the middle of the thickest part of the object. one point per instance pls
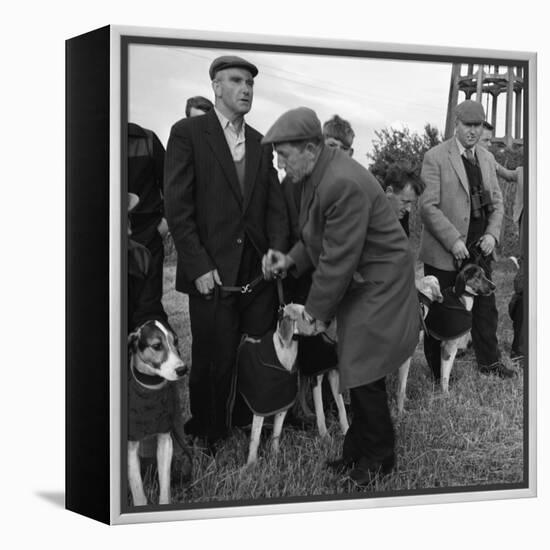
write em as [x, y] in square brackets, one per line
[470, 112]
[294, 125]
[228, 61]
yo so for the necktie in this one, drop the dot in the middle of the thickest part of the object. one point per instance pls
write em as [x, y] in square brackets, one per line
[469, 155]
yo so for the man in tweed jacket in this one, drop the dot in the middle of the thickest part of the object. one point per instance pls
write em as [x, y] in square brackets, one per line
[462, 212]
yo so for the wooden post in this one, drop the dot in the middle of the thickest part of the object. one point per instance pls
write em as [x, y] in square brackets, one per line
[494, 111]
[479, 87]
[518, 94]
[453, 100]
[509, 103]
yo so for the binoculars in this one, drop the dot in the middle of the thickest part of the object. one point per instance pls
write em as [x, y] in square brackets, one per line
[481, 200]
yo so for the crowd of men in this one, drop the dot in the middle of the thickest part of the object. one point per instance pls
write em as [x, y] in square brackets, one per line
[335, 234]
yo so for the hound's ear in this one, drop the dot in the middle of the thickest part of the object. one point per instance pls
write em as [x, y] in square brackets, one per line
[133, 338]
[460, 282]
[286, 330]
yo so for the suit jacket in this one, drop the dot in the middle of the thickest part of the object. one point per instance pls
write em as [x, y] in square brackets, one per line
[363, 268]
[445, 203]
[206, 211]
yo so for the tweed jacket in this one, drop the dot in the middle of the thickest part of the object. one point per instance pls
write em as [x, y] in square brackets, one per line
[445, 204]
[363, 268]
[208, 215]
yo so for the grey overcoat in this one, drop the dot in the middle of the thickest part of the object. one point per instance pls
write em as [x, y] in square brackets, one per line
[363, 268]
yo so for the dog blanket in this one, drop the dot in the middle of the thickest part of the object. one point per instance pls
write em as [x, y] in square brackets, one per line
[316, 355]
[150, 411]
[266, 386]
[448, 319]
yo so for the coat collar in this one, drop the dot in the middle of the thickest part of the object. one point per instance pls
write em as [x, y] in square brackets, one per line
[220, 149]
[311, 182]
[458, 164]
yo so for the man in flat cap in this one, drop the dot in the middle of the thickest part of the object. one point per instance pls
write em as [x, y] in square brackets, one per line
[462, 212]
[225, 208]
[362, 276]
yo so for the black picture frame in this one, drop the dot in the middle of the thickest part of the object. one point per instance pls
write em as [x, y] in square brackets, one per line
[97, 117]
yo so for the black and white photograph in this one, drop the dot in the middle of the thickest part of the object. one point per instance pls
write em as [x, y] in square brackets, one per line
[258, 294]
[327, 273]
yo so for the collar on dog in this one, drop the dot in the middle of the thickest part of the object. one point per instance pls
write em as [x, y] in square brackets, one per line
[465, 293]
[151, 382]
[423, 299]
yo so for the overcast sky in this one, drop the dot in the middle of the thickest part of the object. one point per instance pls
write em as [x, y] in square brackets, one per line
[370, 93]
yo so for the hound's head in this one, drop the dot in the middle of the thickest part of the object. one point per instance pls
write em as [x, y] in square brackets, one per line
[471, 279]
[154, 350]
[429, 287]
[291, 322]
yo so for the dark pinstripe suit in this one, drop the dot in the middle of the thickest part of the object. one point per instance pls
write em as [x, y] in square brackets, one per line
[216, 226]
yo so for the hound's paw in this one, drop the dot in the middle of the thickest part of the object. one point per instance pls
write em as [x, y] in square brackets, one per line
[140, 501]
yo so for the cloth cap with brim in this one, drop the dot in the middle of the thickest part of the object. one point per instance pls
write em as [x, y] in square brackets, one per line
[133, 201]
[470, 112]
[229, 61]
[294, 125]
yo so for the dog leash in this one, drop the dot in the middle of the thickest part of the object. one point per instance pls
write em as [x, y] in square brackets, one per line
[243, 289]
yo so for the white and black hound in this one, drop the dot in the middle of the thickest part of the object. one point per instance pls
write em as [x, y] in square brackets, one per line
[154, 362]
[267, 377]
[451, 320]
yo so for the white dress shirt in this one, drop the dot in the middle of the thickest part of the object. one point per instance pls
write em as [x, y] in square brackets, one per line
[235, 138]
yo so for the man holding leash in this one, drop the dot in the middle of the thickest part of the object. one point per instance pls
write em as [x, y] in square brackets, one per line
[225, 208]
[362, 275]
[462, 212]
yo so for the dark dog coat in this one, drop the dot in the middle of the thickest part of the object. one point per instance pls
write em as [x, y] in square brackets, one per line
[150, 411]
[316, 355]
[448, 319]
[266, 386]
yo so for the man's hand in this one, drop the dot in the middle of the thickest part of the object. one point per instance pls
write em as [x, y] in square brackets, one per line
[205, 283]
[275, 264]
[487, 244]
[460, 251]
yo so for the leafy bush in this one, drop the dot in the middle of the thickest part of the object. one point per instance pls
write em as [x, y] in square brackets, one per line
[392, 145]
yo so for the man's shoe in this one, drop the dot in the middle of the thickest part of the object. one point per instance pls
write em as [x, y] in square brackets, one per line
[340, 465]
[497, 368]
[365, 473]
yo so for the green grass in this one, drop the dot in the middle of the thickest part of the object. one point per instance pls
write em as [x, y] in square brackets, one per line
[474, 437]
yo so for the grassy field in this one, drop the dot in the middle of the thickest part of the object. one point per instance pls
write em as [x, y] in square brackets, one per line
[474, 437]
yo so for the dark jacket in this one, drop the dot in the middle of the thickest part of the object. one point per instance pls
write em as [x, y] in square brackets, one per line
[207, 214]
[145, 179]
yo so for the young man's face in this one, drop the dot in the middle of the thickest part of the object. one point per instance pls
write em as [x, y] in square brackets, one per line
[333, 142]
[195, 111]
[401, 201]
[234, 89]
[296, 164]
[485, 139]
[468, 133]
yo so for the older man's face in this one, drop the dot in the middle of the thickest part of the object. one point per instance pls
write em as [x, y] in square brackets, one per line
[468, 133]
[296, 164]
[234, 89]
